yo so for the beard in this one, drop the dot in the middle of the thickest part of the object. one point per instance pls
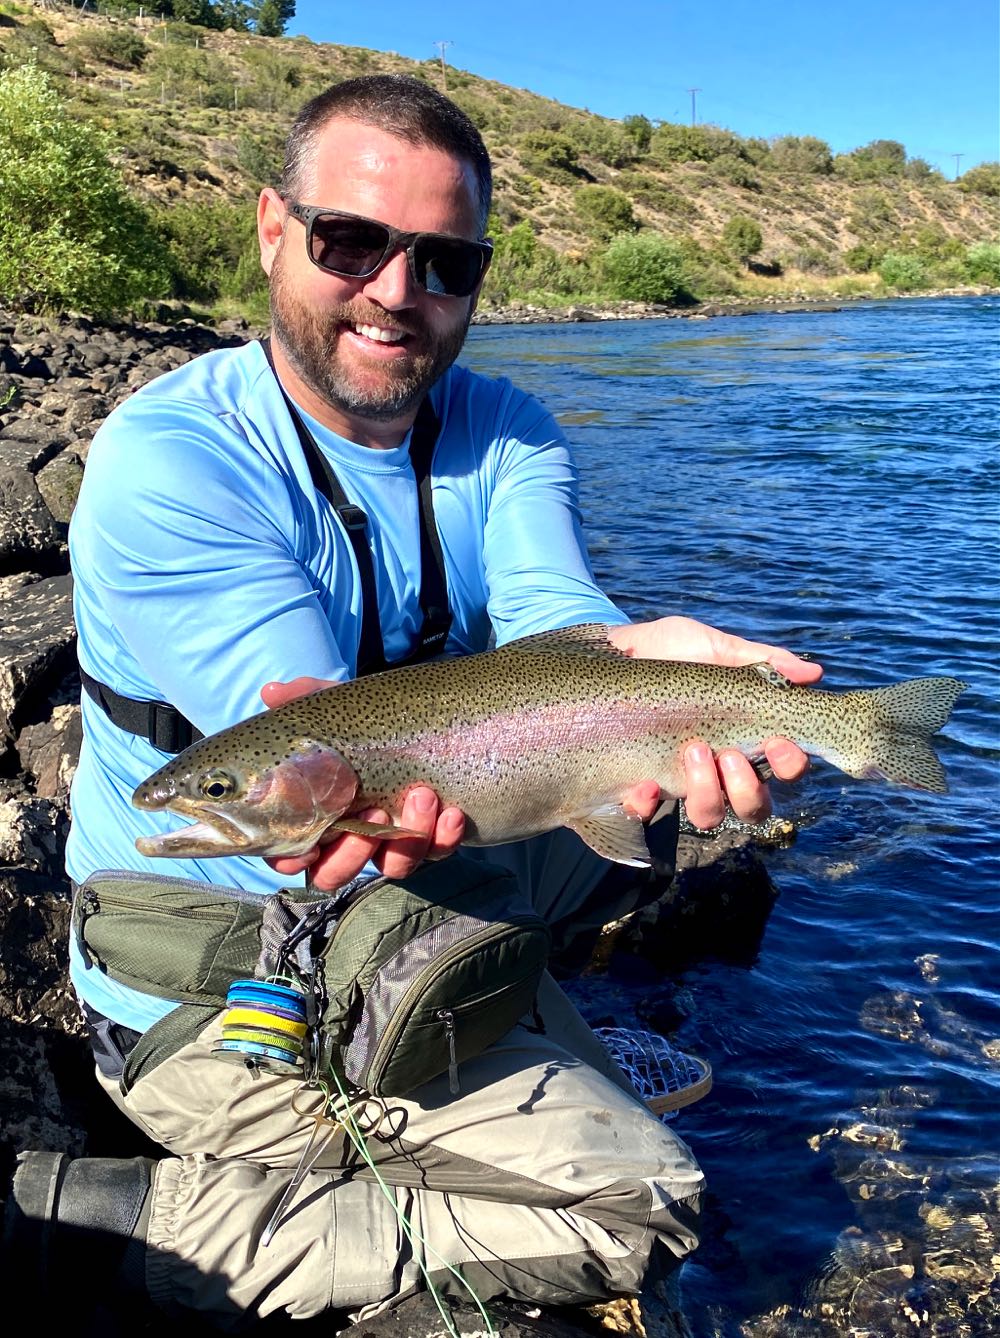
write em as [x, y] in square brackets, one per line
[390, 391]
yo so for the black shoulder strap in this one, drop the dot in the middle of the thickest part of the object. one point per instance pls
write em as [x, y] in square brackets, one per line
[433, 583]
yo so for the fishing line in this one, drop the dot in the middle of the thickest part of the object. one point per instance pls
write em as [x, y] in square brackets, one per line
[354, 1133]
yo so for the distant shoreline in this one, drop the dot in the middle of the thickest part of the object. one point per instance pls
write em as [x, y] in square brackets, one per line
[524, 313]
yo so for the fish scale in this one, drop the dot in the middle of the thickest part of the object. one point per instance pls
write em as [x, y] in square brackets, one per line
[548, 731]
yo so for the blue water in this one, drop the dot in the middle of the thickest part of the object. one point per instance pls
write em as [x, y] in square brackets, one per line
[826, 481]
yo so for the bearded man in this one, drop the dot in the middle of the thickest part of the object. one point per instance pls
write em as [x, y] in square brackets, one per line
[293, 513]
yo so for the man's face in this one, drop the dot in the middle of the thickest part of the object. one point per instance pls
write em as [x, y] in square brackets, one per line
[369, 348]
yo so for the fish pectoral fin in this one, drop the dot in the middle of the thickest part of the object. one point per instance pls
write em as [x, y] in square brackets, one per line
[615, 834]
[770, 675]
[384, 831]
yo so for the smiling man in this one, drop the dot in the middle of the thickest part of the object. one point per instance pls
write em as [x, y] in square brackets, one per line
[300, 511]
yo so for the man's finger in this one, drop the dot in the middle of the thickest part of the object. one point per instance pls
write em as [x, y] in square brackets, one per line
[703, 800]
[748, 797]
[788, 761]
[401, 856]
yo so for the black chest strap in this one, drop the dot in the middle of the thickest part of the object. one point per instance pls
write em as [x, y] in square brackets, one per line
[171, 732]
[433, 584]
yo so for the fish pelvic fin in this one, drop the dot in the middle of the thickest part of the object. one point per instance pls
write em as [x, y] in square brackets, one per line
[905, 716]
[615, 834]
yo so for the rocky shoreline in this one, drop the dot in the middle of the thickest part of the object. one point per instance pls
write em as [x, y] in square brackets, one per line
[58, 381]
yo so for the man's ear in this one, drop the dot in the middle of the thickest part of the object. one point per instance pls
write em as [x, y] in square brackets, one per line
[270, 226]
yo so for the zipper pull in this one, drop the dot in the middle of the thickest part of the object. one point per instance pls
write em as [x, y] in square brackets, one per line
[449, 1030]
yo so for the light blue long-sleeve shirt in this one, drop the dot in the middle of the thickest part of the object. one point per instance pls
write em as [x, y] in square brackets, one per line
[205, 564]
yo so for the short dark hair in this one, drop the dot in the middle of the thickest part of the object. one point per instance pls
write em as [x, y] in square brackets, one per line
[400, 105]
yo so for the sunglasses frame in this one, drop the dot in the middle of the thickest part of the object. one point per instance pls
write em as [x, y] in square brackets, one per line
[307, 214]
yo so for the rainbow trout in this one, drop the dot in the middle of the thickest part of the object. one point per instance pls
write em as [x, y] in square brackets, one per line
[549, 731]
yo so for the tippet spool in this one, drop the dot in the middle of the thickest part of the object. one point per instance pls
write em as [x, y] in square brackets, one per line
[264, 1026]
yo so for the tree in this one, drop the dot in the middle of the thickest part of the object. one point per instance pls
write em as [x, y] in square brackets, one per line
[605, 211]
[742, 238]
[802, 154]
[273, 17]
[984, 179]
[70, 234]
[640, 131]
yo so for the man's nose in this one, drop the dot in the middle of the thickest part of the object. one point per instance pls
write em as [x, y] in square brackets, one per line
[392, 286]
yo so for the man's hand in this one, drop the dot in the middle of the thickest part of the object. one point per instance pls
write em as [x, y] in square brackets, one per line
[712, 780]
[330, 866]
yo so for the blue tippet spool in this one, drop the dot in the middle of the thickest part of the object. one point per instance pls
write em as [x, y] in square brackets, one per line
[264, 1026]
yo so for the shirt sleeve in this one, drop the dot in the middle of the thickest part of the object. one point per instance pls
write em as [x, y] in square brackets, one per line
[183, 542]
[538, 573]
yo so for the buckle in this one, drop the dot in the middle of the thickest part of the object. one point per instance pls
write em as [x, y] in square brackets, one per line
[166, 728]
[352, 517]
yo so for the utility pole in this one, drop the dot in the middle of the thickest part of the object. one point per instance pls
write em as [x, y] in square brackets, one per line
[956, 156]
[693, 92]
[444, 69]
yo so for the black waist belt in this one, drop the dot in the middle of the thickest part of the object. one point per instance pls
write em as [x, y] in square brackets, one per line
[171, 732]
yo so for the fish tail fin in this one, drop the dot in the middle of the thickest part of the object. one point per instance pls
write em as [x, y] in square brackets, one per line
[905, 715]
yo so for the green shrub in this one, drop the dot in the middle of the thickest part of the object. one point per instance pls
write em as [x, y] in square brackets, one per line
[119, 47]
[984, 179]
[737, 171]
[863, 258]
[982, 263]
[645, 268]
[639, 130]
[254, 159]
[605, 211]
[701, 144]
[906, 272]
[547, 151]
[742, 237]
[813, 260]
[206, 244]
[802, 154]
[872, 162]
[70, 234]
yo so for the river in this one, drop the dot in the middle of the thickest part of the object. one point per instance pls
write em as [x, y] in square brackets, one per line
[826, 481]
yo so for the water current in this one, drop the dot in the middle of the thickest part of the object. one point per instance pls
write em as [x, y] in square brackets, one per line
[825, 481]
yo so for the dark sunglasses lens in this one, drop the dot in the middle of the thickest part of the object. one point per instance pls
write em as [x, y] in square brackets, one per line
[446, 267]
[348, 246]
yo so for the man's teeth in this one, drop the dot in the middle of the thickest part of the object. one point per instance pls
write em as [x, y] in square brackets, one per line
[378, 334]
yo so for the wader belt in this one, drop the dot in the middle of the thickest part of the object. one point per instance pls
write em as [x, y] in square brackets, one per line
[171, 732]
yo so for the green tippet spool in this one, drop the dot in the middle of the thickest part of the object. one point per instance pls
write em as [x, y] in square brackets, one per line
[264, 1026]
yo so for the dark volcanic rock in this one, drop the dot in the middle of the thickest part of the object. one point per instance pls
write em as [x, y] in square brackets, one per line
[29, 533]
[37, 636]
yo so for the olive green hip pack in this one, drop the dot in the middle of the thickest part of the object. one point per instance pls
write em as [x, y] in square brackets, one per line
[405, 980]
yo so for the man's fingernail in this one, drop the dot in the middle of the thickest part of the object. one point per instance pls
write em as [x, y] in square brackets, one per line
[699, 754]
[455, 820]
[424, 800]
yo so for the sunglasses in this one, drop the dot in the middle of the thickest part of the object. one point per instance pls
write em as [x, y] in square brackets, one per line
[356, 248]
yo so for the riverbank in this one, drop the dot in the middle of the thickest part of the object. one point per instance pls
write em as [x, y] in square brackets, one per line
[524, 313]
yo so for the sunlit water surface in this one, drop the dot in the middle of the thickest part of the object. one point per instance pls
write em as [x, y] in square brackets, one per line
[827, 481]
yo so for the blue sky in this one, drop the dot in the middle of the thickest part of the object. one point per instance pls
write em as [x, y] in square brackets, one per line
[927, 74]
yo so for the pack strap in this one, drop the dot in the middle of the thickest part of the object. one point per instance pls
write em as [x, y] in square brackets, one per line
[433, 583]
[163, 725]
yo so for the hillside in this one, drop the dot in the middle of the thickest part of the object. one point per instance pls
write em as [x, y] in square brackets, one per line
[197, 119]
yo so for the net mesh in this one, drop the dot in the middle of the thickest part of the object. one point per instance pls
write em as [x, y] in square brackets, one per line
[665, 1078]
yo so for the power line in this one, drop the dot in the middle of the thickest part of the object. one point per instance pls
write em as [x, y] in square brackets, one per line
[956, 156]
[694, 92]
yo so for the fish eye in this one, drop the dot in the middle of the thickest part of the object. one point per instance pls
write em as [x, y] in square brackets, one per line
[217, 785]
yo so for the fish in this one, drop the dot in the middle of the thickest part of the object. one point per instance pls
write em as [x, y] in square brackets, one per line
[548, 731]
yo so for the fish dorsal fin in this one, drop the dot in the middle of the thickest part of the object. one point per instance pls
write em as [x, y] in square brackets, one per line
[589, 639]
[615, 834]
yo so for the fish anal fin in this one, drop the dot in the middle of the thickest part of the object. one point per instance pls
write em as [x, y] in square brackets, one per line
[615, 834]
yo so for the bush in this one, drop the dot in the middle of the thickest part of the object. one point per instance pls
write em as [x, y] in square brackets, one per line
[701, 144]
[982, 263]
[547, 150]
[862, 259]
[605, 211]
[902, 271]
[645, 268]
[742, 237]
[880, 158]
[737, 171]
[639, 129]
[206, 245]
[120, 47]
[70, 234]
[802, 154]
[981, 180]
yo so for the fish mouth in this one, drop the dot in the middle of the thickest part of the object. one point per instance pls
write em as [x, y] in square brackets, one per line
[213, 834]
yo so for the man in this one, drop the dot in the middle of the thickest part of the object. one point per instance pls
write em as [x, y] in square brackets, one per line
[207, 563]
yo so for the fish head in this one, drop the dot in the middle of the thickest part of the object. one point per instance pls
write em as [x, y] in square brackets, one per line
[263, 803]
